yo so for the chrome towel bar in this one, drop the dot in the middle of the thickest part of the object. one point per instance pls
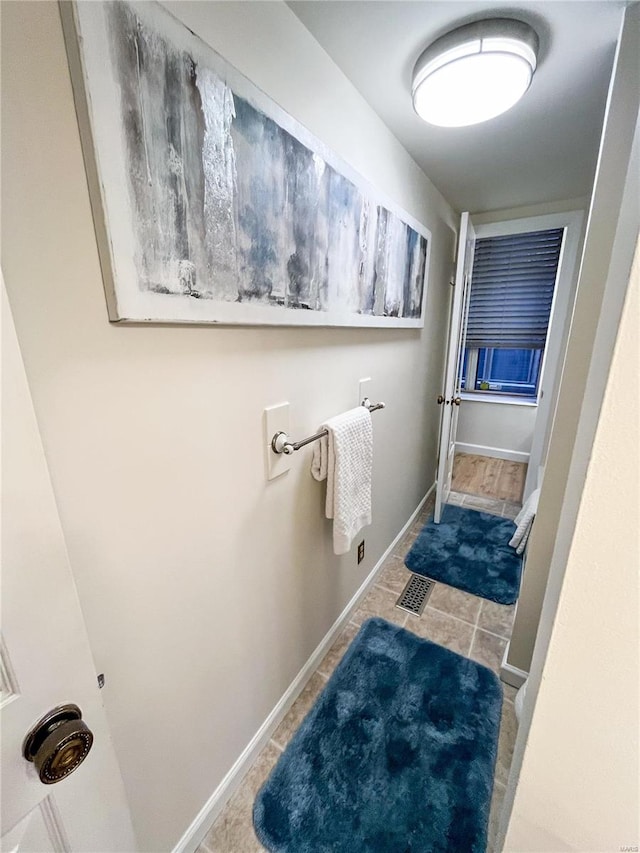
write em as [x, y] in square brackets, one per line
[281, 443]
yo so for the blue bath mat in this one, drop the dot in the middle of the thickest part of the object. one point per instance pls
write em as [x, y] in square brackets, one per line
[396, 756]
[469, 550]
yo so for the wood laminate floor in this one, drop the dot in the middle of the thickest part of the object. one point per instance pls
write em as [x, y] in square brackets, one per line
[489, 477]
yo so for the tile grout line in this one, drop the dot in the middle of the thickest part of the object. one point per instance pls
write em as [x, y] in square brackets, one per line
[453, 616]
[470, 624]
[493, 634]
[473, 639]
[388, 589]
[277, 746]
[473, 625]
[475, 628]
[450, 615]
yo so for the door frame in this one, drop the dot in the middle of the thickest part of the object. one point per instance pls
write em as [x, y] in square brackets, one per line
[453, 361]
[573, 221]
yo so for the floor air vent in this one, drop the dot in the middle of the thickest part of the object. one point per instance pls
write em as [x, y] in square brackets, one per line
[415, 595]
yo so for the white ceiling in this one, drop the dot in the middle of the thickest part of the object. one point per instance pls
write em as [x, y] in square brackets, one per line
[544, 149]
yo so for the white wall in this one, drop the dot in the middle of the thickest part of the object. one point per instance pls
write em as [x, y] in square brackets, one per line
[614, 177]
[573, 783]
[579, 782]
[204, 587]
[496, 429]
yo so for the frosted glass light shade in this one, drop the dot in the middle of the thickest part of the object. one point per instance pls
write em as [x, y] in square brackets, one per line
[474, 73]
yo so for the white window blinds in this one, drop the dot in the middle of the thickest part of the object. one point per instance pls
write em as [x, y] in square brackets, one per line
[512, 290]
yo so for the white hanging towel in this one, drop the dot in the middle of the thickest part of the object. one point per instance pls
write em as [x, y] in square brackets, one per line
[524, 522]
[344, 458]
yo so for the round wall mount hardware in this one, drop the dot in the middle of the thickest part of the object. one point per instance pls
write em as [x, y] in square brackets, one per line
[58, 743]
[280, 443]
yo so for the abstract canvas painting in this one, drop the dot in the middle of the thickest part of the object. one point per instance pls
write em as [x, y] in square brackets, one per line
[212, 204]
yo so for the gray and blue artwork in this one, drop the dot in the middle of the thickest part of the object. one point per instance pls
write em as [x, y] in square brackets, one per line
[229, 206]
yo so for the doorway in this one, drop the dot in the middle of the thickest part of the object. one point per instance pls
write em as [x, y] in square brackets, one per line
[514, 328]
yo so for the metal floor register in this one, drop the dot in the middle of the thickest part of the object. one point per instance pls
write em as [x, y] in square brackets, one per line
[415, 595]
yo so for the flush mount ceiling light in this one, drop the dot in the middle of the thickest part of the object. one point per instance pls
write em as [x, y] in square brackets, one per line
[475, 72]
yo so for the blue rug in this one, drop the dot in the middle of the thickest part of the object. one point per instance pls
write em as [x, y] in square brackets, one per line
[396, 756]
[469, 550]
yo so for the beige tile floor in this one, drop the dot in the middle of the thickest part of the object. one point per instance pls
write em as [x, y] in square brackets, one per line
[464, 623]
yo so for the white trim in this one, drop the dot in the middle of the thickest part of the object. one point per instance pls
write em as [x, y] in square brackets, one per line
[542, 222]
[511, 674]
[563, 297]
[494, 452]
[205, 818]
[453, 360]
[503, 399]
[545, 208]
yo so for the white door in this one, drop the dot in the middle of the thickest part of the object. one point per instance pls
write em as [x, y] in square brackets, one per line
[45, 657]
[450, 398]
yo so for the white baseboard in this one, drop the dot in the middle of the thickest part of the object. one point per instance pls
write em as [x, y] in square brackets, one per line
[511, 674]
[495, 452]
[228, 786]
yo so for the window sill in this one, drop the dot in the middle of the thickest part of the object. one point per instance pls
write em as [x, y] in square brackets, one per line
[505, 399]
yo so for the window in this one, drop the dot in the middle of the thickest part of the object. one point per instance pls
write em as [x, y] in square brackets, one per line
[512, 289]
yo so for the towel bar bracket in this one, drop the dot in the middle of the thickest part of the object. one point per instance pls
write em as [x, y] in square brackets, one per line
[281, 443]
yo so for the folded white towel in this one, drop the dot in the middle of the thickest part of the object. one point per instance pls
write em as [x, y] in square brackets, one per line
[344, 458]
[524, 522]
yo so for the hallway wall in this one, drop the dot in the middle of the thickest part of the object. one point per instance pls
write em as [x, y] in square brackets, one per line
[578, 786]
[595, 308]
[205, 588]
[504, 430]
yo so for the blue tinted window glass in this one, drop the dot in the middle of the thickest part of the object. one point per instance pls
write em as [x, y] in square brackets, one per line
[465, 364]
[482, 360]
[508, 371]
